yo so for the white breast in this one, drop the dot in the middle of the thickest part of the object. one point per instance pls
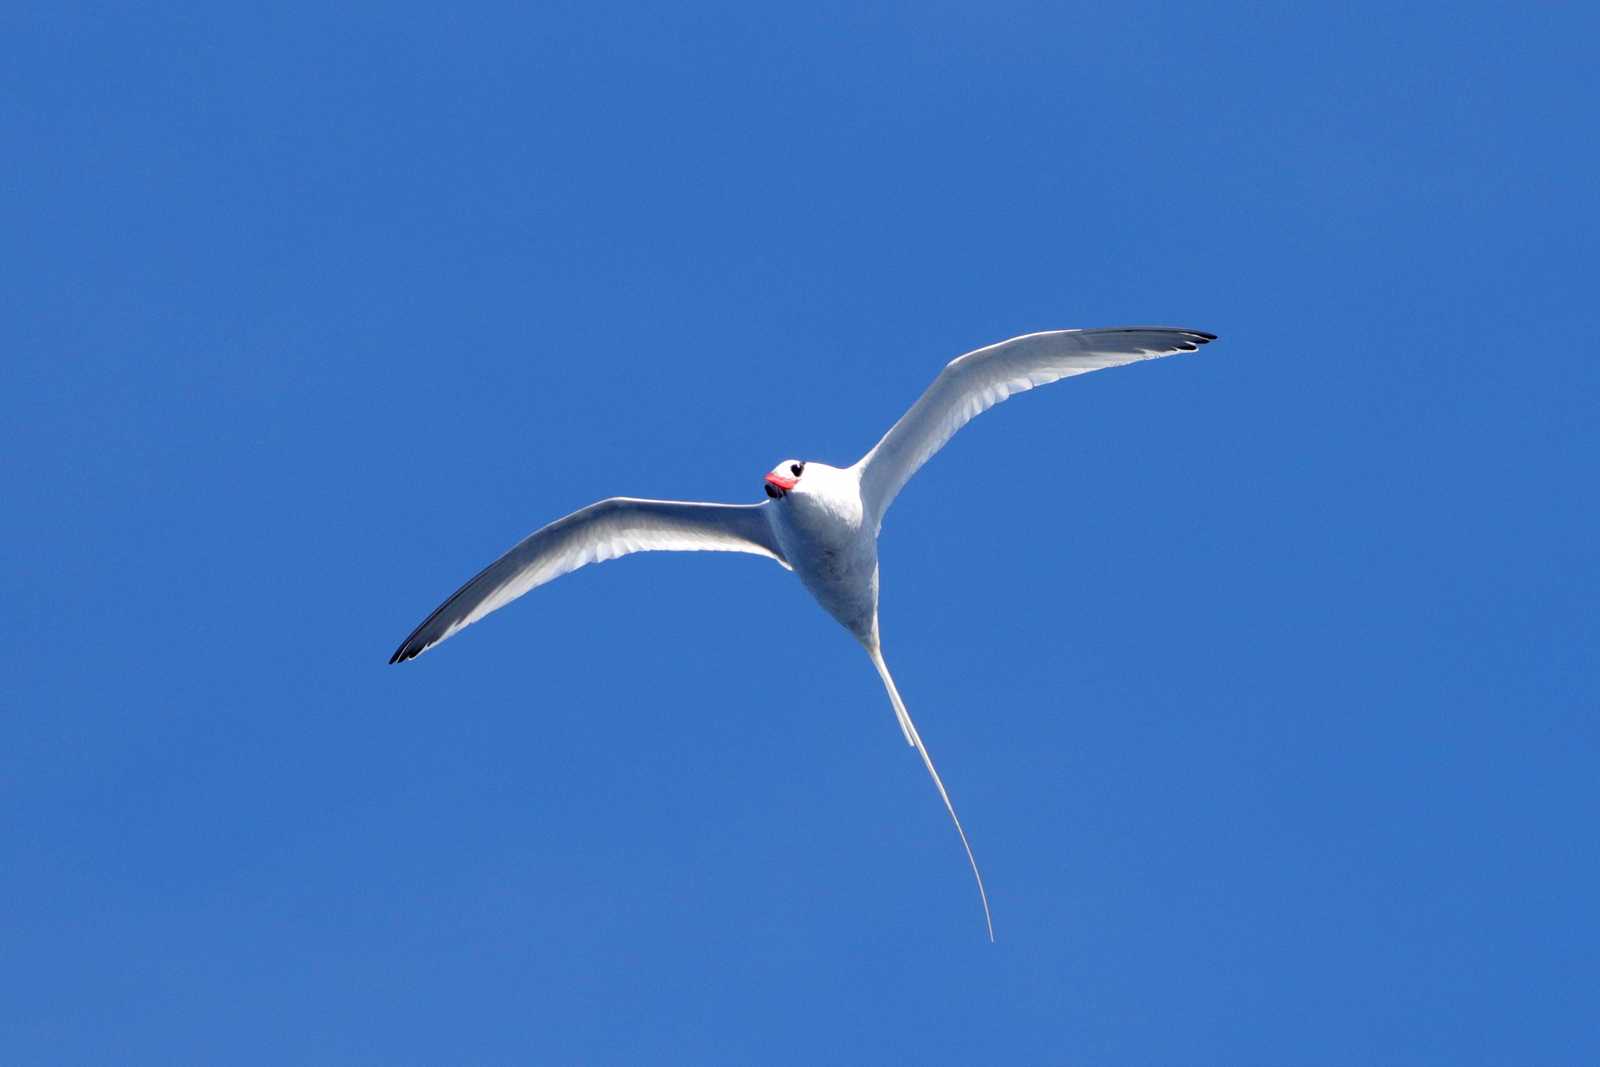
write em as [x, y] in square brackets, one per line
[822, 529]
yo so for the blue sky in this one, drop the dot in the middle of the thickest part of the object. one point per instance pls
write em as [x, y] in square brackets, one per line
[1263, 679]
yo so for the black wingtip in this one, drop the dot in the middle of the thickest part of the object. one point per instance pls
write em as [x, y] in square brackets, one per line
[1195, 337]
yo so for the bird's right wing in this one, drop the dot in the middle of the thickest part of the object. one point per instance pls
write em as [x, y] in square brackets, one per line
[972, 384]
[602, 531]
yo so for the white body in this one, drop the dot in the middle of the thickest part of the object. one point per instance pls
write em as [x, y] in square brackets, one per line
[822, 522]
[826, 535]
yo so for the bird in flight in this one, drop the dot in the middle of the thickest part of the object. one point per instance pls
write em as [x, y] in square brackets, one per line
[821, 522]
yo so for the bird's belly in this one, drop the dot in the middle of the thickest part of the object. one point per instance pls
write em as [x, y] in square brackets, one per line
[839, 567]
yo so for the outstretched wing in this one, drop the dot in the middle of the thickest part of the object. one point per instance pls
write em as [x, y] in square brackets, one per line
[972, 384]
[601, 531]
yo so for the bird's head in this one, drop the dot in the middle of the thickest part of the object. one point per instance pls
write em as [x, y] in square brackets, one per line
[784, 477]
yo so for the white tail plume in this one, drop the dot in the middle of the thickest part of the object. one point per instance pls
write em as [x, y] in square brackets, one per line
[915, 740]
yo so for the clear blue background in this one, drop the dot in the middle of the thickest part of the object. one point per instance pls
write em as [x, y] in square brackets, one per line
[1264, 679]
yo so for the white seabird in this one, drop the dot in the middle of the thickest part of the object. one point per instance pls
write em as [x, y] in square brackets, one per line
[821, 522]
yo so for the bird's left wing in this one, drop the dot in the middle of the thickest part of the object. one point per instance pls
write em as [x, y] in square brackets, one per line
[972, 384]
[601, 531]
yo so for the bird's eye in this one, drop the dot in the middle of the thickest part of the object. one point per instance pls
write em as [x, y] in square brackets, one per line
[796, 468]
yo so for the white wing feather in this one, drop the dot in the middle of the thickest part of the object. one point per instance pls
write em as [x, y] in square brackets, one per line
[972, 384]
[601, 531]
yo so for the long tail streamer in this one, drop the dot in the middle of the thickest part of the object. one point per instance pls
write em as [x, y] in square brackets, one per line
[910, 730]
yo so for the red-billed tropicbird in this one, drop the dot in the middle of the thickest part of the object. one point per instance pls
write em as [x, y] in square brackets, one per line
[821, 522]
